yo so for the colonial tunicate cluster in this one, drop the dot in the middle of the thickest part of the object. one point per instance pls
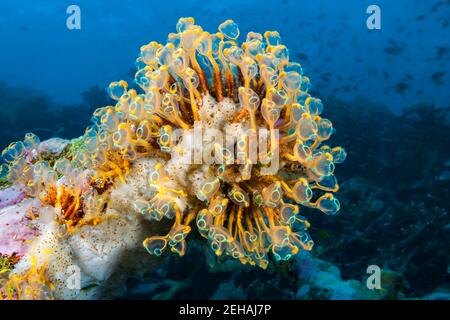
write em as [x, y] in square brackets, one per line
[195, 82]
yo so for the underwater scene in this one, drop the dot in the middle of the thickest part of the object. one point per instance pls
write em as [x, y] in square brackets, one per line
[225, 150]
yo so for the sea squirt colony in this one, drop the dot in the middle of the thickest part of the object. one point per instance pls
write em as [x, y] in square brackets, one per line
[210, 80]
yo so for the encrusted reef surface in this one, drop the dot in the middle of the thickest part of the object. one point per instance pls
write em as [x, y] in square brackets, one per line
[46, 259]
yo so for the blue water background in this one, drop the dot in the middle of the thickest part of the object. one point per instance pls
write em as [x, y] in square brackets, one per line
[404, 63]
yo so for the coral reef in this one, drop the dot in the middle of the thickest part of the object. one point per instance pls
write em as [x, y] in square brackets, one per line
[202, 81]
[91, 198]
[106, 249]
[305, 277]
[400, 224]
